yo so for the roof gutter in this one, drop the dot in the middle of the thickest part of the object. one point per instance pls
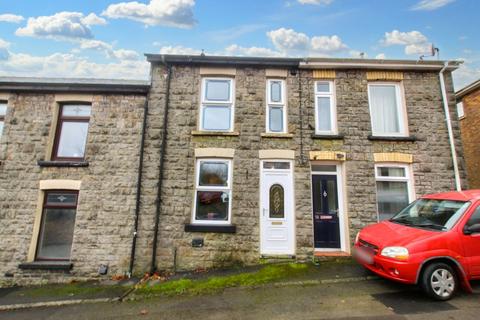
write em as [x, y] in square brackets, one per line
[446, 109]
[374, 65]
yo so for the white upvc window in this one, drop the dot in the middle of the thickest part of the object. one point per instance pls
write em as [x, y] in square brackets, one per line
[3, 112]
[217, 107]
[460, 110]
[325, 108]
[387, 110]
[213, 192]
[394, 188]
[276, 118]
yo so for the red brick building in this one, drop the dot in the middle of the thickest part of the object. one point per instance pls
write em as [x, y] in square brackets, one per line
[468, 102]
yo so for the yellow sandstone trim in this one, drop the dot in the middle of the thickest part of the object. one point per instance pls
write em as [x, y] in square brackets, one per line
[276, 154]
[208, 71]
[74, 98]
[214, 153]
[324, 74]
[60, 184]
[393, 157]
[384, 75]
[328, 155]
[4, 96]
[276, 73]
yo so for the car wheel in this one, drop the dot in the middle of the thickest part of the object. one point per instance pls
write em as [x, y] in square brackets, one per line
[439, 281]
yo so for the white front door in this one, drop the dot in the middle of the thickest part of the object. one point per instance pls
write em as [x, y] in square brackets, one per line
[277, 225]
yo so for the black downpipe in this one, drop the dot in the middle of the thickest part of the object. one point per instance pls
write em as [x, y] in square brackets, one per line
[139, 187]
[153, 266]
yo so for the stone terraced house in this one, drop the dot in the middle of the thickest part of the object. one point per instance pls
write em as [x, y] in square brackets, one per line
[216, 161]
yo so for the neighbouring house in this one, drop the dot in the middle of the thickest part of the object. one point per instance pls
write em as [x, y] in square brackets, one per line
[69, 155]
[468, 105]
[217, 161]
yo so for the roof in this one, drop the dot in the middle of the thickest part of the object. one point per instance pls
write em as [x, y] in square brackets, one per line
[466, 195]
[467, 89]
[29, 84]
[304, 63]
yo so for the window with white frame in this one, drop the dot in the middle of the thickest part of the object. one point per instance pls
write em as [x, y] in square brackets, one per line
[325, 108]
[216, 108]
[386, 109]
[213, 191]
[276, 120]
[460, 110]
[394, 189]
[3, 112]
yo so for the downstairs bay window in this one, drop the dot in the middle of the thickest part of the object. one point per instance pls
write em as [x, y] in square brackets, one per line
[212, 204]
[394, 189]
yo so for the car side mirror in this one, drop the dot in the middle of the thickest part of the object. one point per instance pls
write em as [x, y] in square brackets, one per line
[474, 228]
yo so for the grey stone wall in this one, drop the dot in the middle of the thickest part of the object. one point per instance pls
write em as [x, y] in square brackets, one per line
[104, 220]
[432, 166]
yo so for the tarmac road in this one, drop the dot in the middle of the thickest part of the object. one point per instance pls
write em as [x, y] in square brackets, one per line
[368, 299]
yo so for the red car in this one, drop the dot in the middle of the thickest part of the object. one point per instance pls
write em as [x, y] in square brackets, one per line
[434, 242]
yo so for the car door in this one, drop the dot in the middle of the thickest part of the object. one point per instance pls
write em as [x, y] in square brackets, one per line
[471, 244]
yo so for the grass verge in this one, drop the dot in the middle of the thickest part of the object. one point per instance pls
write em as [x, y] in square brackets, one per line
[267, 274]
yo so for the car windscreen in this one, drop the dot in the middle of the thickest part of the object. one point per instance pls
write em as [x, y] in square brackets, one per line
[432, 214]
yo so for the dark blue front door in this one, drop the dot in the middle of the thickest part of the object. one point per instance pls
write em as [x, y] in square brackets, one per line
[326, 225]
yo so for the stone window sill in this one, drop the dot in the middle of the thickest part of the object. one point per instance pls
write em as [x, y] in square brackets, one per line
[328, 136]
[277, 135]
[43, 163]
[47, 265]
[386, 138]
[215, 133]
[210, 228]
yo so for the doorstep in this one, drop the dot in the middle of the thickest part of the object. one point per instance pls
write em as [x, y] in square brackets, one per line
[331, 254]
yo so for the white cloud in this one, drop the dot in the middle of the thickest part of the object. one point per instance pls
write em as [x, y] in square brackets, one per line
[429, 5]
[4, 53]
[290, 42]
[236, 50]
[172, 13]
[380, 56]
[179, 50]
[414, 41]
[110, 52]
[93, 19]
[467, 73]
[70, 65]
[317, 2]
[12, 18]
[61, 26]
[325, 44]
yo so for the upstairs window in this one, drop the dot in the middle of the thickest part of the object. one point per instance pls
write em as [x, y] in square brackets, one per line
[58, 222]
[276, 120]
[72, 130]
[325, 108]
[3, 111]
[386, 109]
[394, 189]
[213, 192]
[460, 110]
[216, 109]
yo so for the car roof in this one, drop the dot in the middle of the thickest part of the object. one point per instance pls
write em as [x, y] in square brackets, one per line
[465, 195]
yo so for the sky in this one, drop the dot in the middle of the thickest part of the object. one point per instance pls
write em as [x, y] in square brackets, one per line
[107, 38]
